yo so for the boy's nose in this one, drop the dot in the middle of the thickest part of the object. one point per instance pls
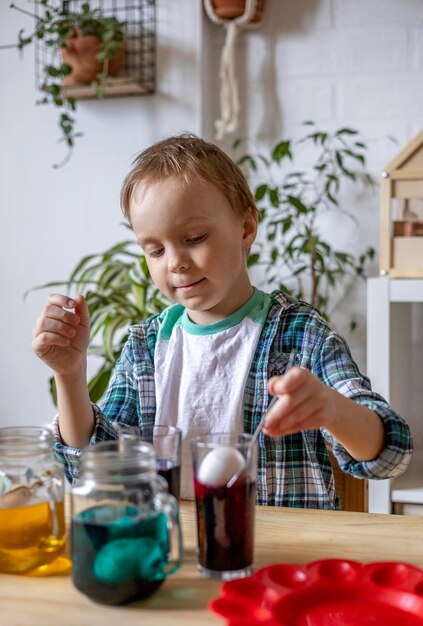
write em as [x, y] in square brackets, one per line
[177, 263]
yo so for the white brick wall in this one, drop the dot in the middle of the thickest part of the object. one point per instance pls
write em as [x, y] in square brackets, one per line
[51, 218]
[338, 62]
[378, 12]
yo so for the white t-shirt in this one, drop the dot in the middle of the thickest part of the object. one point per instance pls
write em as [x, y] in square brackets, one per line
[201, 372]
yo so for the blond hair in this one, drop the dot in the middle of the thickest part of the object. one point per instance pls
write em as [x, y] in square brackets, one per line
[189, 158]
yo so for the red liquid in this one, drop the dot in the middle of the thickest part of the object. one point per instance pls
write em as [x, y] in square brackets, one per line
[225, 524]
[172, 474]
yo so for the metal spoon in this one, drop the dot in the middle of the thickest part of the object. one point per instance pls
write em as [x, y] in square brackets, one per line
[273, 401]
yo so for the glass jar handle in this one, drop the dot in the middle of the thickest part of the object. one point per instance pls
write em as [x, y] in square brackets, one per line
[53, 486]
[168, 504]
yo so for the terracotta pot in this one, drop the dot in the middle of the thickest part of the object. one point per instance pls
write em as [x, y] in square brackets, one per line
[80, 53]
[230, 9]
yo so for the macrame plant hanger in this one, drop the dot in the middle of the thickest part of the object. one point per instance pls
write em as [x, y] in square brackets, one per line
[229, 99]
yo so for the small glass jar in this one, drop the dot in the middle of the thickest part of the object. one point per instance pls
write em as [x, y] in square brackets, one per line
[126, 536]
[32, 521]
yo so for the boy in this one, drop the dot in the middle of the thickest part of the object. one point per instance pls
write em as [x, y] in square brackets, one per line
[210, 362]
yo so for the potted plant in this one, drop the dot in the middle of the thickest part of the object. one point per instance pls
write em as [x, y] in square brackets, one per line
[294, 252]
[84, 47]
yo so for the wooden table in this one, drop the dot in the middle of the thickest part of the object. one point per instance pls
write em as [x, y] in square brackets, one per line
[282, 536]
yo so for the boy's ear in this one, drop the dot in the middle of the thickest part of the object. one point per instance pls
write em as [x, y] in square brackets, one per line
[250, 227]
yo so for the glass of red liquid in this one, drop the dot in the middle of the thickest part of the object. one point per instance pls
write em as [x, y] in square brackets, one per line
[225, 512]
[167, 442]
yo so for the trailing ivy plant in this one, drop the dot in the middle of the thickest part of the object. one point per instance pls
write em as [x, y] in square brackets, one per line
[295, 255]
[119, 292]
[55, 25]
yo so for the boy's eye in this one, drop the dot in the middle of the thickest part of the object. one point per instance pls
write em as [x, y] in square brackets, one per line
[155, 253]
[197, 238]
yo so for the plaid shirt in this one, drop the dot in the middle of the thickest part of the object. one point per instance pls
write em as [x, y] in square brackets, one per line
[295, 470]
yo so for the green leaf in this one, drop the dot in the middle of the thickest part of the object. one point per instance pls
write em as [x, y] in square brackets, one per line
[247, 160]
[274, 197]
[281, 151]
[339, 159]
[111, 326]
[260, 192]
[264, 160]
[300, 270]
[53, 390]
[237, 143]
[82, 263]
[296, 202]
[53, 90]
[253, 259]
[52, 71]
[355, 155]
[65, 69]
[99, 383]
[287, 224]
[346, 131]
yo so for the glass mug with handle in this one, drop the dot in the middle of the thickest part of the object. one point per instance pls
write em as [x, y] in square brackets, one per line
[32, 518]
[126, 536]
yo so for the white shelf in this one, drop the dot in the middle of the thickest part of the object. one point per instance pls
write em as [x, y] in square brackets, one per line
[391, 352]
[408, 488]
[404, 289]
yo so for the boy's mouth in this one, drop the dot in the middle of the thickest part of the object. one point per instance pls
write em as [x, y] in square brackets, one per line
[189, 285]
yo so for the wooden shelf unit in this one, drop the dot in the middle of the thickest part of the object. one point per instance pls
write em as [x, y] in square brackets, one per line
[401, 198]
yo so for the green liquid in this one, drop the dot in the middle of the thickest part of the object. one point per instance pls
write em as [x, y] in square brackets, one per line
[119, 554]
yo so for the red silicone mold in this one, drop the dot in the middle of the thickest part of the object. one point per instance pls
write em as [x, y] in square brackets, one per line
[331, 592]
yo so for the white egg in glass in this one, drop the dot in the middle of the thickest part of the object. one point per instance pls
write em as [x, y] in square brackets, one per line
[219, 465]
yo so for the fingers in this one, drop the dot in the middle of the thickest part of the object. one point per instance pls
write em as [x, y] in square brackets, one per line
[56, 315]
[61, 300]
[81, 309]
[304, 417]
[289, 382]
[50, 323]
[289, 401]
[302, 403]
[43, 342]
[57, 323]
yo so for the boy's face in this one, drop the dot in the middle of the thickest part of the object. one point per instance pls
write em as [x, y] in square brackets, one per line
[195, 245]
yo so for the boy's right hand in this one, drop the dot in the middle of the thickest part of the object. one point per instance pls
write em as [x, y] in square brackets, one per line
[60, 338]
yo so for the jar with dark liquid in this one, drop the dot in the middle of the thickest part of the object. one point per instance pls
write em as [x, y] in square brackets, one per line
[126, 536]
[32, 525]
[167, 443]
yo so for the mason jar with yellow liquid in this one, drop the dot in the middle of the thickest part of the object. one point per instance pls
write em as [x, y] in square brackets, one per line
[32, 521]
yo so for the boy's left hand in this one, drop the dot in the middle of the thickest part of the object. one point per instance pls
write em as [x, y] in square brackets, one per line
[305, 403]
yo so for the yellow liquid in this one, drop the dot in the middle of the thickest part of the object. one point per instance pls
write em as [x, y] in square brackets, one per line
[26, 539]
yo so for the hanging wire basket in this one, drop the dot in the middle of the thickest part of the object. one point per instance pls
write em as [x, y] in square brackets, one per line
[137, 75]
